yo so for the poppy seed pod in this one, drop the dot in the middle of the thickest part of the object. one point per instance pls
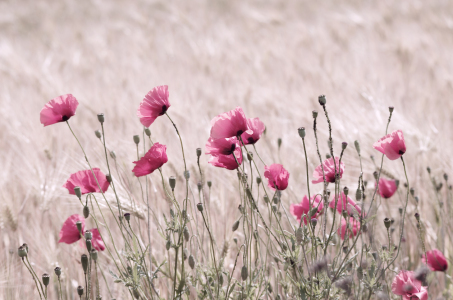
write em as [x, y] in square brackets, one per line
[84, 261]
[172, 182]
[57, 271]
[191, 261]
[244, 273]
[94, 254]
[199, 186]
[315, 114]
[235, 226]
[344, 145]
[86, 211]
[200, 207]
[22, 252]
[136, 139]
[80, 290]
[101, 118]
[322, 100]
[98, 134]
[266, 199]
[357, 146]
[147, 131]
[88, 235]
[187, 175]
[258, 180]
[209, 183]
[301, 132]
[127, 216]
[387, 223]
[391, 108]
[198, 152]
[89, 245]
[78, 192]
[346, 190]
[79, 226]
[417, 216]
[45, 279]
[275, 200]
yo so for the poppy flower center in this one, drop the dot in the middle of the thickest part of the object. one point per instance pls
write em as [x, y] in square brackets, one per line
[164, 110]
[251, 140]
[239, 132]
[401, 152]
[64, 118]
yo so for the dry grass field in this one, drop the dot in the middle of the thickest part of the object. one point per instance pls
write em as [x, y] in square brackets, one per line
[272, 58]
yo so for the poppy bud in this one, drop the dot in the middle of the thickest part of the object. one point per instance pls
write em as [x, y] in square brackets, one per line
[147, 131]
[186, 234]
[244, 273]
[187, 174]
[209, 183]
[86, 211]
[374, 254]
[322, 100]
[79, 226]
[84, 260]
[400, 210]
[235, 226]
[220, 279]
[358, 194]
[314, 222]
[78, 192]
[275, 200]
[198, 152]
[191, 261]
[357, 146]
[344, 145]
[136, 139]
[172, 213]
[266, 199]
[313, 211]
[108, 177]
[172, 182]
[328, 193]
[200, 207]
[279, 143]
[199, 185]
[88, 244]
[88, 235]
[101, 118]
[258, 180]
[127, 216]
[328, 156]
[112, 154]
[387, 223]
[274, 208]
[45, 279]
[168, 245]
[98, 134]
[299, 235]
[250, 156]
[22, 252]
[345, 214]
[315, 114]
[391, 109]
[80, 290]
[185, 253]
[346, 190]
[301, 131]
[57, 271]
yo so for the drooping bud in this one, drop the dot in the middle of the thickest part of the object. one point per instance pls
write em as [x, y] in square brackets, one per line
[322, 100]
[191, 261]
[313, 211]
[274, 208]
[315, 114]
[209, 183]
[98, 134]
[376, 175]
[357, 146]
[187, 175]
[57, 271]
[101, 118]
[235, 226]
[25, 245]
[84, 261]
[345, 214]
[275, 200]
[328, 156]
[244, 273]
[400, 210]
[78, 192]
[88, 244]
[172, 182]
[220, 279]
[301, 131]
[88, 235]
[200, 207]
[344, 145]
[80, 290]
[22, 252]
[86, 211]
[79, 226]
[387, 223]
[235, 240]
[136, 294]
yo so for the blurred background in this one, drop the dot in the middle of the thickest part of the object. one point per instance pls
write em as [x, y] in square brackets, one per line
[272, 58]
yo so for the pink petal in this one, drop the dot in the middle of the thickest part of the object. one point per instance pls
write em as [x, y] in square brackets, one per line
[256, 129]
[86, 181]
[69, 233]
[227, 161]
[229, 124]
[59, 109]
[97, 241]
[155, 158]
[277, 177]
[392, 145]
[329, 170]
[153, 105]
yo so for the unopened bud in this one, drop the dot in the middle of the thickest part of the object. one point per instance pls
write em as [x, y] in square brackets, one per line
[185, 253]
[315, 114]
[391, 109]
[200, 207]
[147, 131]
[168, 245]
[172, 182]
[86, 211]
[57, 271]
[299, 235]
[322, 100]
[220, 279]
[400, 210]
[328, 156]
[136, 139]
[376, 175]
[266, 199]
[136, 294]
[387, 223]
[108, 177]
[98, 134]
[186, 234]
[101, 118]
[84, 261]
[275, 200]
[191, 261]
[209, 183]
[88, 244]
[235, 240]
[344, 145]
[88, 235]
[78, 192]
[357, 146]
[314, 221]
[22, 252]
[113, 154]
[79, 226]
[187, 175]
[80, 290]
[274, 208]
[301, 131]
[244, 273]
[375, 256]
[235, 226]
[279, 143]
[258, 180]
[345, 214]
[198, 152]
[313, 211]
[358, 194]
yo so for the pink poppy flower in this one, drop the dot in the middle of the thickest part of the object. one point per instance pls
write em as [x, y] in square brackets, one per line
[346, 203]
[226, 161]
[436, 260]
[153, 159]
[154, 104]
[59, 109]
[229, 124]
[387, 187]
[298, 210]
[405, 285]
[277, 177]
[86, 181]
[69, 233]
[222, 146]
[354, 227]
[256, 127]
[392, 145]
[329, 170]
